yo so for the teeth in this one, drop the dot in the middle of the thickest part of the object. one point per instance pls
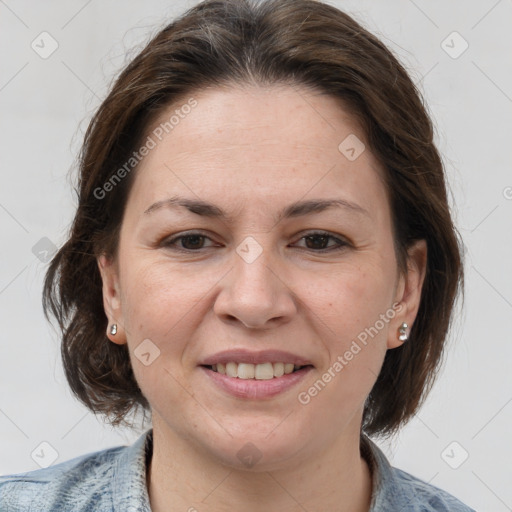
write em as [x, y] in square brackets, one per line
[246, 371]
[263, 371]
[278, 369]
[232, 370]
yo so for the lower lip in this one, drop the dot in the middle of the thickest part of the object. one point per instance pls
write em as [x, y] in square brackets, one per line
[256, 389]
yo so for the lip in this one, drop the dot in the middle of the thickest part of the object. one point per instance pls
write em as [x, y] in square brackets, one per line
[255, 389]
[253, 357]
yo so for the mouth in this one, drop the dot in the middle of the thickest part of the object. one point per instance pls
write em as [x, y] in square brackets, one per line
[263, 381]
[249, 371]
[250, 374]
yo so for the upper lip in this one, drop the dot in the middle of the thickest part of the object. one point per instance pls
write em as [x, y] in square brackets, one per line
[254, 357]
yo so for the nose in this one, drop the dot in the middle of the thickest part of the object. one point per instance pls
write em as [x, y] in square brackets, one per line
[255, 294]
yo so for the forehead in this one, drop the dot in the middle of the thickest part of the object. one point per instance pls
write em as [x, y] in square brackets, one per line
[255, 116]
[263, 144]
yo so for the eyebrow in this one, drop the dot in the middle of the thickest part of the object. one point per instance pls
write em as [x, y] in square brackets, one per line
[296, 209]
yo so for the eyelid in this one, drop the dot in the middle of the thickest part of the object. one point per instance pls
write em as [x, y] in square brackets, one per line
[342, 242]
[174, 238]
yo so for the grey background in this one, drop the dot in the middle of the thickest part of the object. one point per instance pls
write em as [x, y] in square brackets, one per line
[45, 105]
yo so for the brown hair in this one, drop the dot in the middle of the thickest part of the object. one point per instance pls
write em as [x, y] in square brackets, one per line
[236, 42]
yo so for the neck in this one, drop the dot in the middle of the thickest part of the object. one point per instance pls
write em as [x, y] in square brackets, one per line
[182, 477]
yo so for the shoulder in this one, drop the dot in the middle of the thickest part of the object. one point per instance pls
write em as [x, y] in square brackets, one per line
[82, 483]
[427, 497]
[395, 489]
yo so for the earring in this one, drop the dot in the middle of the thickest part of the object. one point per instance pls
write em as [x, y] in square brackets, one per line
[402, 332]
[113, 329]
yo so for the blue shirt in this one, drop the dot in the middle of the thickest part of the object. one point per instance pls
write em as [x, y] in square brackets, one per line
[114, 480]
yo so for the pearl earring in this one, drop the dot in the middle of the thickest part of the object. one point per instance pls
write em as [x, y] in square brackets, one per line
[113, 329]
[402, 332]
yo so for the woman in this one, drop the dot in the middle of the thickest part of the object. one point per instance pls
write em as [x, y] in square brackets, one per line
[263, 259]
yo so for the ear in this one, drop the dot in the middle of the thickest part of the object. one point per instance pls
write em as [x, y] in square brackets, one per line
[408, 292]
[112, 299]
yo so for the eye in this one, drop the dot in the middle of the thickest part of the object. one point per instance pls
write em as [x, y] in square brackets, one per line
[188, 242]
[318, 242]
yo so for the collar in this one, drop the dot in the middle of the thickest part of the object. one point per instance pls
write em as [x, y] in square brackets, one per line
[129, 487]
[390, 490]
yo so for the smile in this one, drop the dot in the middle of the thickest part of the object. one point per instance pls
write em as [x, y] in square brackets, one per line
[263, 371]
[261, 385]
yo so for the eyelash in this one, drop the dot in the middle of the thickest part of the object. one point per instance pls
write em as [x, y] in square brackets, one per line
[169, 243]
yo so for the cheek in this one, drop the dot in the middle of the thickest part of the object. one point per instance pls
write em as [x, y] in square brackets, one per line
[352, 298]
[354, 309]
[158, 297]
[157, 305]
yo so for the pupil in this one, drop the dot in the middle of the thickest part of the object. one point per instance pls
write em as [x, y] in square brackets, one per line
[323, 239]
[195, 239]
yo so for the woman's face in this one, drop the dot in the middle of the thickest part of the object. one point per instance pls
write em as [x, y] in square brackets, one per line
[257, 273]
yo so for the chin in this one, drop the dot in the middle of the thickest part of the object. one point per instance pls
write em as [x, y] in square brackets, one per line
[253, 446]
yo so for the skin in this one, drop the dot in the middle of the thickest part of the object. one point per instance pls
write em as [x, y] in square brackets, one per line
[252, 151]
